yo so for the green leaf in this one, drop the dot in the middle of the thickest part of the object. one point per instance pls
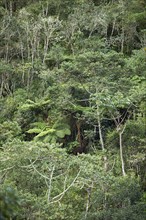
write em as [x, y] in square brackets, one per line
[60, 134]
[34, 130]
[44, 133]
[67, 131]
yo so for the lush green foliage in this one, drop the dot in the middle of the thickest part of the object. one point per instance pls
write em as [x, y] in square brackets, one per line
[72, 109]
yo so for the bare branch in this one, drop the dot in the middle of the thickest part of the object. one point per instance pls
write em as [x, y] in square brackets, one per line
[60, 196]
[9, 168]
[50, 183]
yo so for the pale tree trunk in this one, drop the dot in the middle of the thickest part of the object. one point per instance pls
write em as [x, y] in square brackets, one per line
[87, 203]
[101, 138]
[123, 29]
[46, 45]
[122, 41]
[121, 152]
[2, 85]
[100, 134]
[7, 52]
[120, 128]
[120, 132]
[89, 190]
[11, 8]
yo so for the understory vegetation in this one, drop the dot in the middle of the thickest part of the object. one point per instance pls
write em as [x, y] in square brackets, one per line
[72, 109]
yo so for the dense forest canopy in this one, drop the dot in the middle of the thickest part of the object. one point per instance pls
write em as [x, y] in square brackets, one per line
[72, 109]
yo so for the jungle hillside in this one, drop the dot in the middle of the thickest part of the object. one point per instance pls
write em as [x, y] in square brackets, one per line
[72, 110]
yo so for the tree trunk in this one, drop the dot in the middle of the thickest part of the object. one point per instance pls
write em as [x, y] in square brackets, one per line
[101, 141]
[79, 136]
[121, 154]
[100, 134]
